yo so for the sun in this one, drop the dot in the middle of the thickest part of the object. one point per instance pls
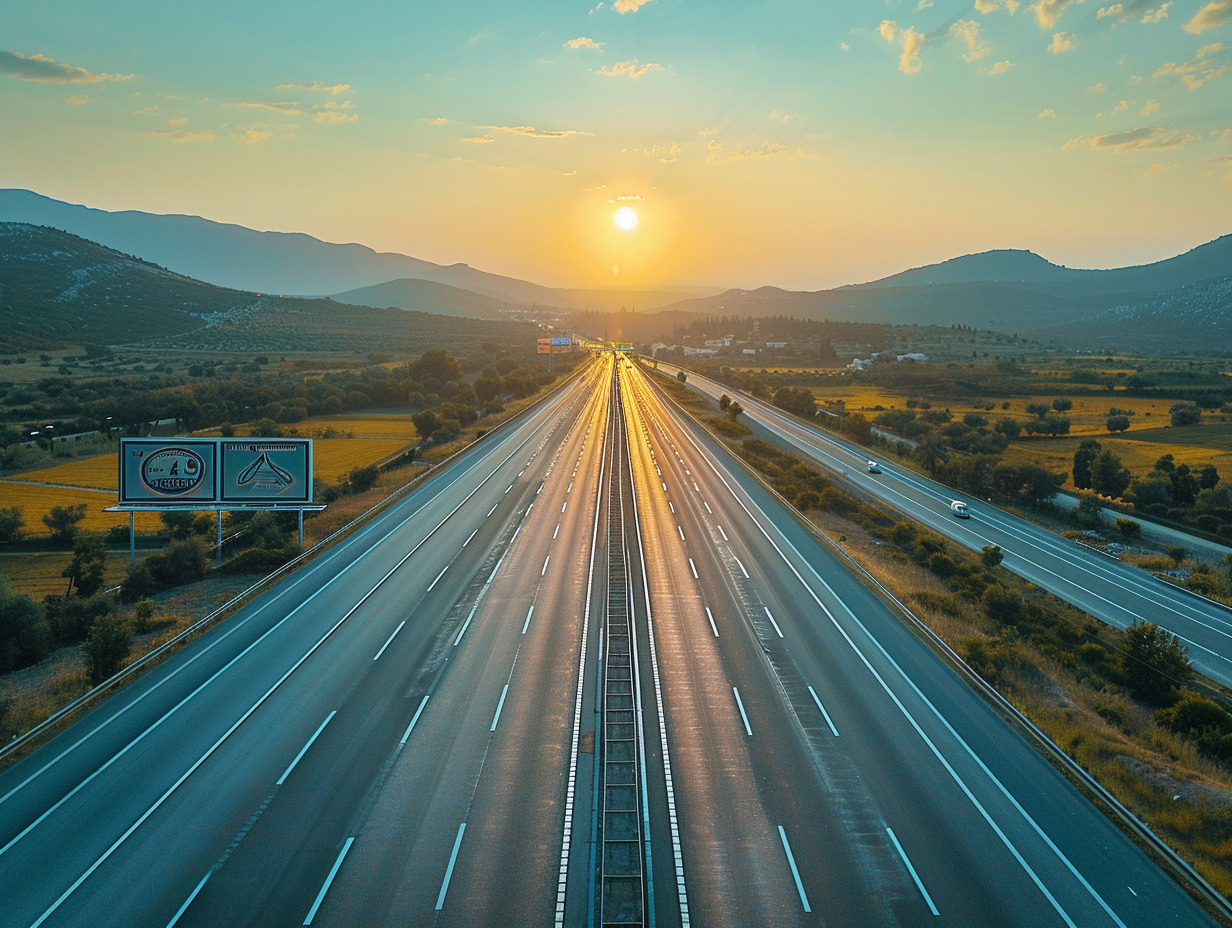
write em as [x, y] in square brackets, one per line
[625, 219]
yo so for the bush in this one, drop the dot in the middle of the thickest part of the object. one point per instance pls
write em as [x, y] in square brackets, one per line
[62, 522]
[1128, 529]
[1002, 605]
[11, 525]
[106, 647]
[25, 636]
[991, 555]
[1155, 663]
[260, 560]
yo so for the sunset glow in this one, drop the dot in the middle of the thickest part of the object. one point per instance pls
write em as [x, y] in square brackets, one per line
[785, 144]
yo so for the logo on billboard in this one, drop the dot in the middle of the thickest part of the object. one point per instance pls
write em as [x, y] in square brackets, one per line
[264, 474]
[173, 471]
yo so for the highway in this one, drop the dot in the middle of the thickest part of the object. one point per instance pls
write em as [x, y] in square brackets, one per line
[1103, 586]
[406, 731]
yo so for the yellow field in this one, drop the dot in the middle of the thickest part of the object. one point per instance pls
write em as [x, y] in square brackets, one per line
[36, 575]
[333, 457]
[1139, 455]
[34, 500]
[102, 471]
[360, 425]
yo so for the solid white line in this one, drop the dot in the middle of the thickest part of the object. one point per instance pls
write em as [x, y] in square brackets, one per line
[545, 565]
[415, 718]
[388, 640]
[693, 568]
[791, 860]
[500, 705]
[469, 537]
[526, 624]
[438, 577]
[714, 628]
[304, 750]
[440, 900]
[328, 880]
[741, 565]
[193, 895]
[824, 713]
[910, 869]
[740, 703]
[528, 509]
[770, 616]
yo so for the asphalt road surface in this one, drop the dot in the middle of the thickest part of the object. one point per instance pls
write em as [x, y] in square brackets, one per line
[403, 732]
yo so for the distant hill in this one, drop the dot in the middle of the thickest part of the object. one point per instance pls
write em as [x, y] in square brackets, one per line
[430, 297]
[1152, 307]
[57, 288]
[268, 262]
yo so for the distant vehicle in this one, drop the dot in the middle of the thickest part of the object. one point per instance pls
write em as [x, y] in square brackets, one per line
[874, 467]
[959, 508]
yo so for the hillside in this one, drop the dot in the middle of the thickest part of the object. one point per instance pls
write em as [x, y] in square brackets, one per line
[56, 288]
[427, 296]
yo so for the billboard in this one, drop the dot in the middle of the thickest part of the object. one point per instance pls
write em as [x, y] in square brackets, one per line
[265, 470]
[214, 471]
[561, 342]
[544, 346]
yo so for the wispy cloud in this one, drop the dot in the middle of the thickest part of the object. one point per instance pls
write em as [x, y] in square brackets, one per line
[1154, 138]
[909, 60]
[43, 70]
[629, 6]
[1149, 108]
[331, 116]
[1062, 42]
[435, 120]
[989, 6]
[632, 69]
[887, 29]
[182, 135]
[1156, 15]
[1000, 67]
[717, 151]
[1193, 74]
[285, 107]
[1117, 10]
[532, 132]
[77, 100]
[477, 139]
[1047, 12]
[483, 35]
[584, 42]
[251, 136]
[1047, 114]
[1211, 16]
[923, 5]
[335, 90]
[967, 31]
[1156, 169]
[626, 197]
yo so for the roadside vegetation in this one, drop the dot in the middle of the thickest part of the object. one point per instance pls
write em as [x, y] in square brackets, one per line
[1123, 704]
[73, 610]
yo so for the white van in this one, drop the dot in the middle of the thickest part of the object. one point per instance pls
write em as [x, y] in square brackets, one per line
[959, 508]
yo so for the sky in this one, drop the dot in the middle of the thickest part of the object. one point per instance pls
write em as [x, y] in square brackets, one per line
[795, 143]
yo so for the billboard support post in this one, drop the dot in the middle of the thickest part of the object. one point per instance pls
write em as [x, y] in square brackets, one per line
[218, 519]
[132, 537]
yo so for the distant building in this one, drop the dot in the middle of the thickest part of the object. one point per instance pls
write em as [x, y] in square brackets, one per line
[750, 351]
[776, 344]
[698, 352]
[913, 356]
[859, 365]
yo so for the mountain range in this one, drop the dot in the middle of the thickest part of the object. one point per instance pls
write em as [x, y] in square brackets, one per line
[1182, 304]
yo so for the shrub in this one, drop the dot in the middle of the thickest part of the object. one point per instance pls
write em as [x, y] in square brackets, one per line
[1128, 529]
[25, 636]
[106, 647]
[1155, 664]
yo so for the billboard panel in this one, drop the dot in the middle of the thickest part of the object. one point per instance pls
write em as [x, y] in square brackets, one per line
[545, 346]
[162, 470]
[265, 470]
[561, 342]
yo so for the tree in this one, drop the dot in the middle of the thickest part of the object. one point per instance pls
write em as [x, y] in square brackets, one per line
[426, 422]
[62, 522]
[25, 636]
[1087, 451]
[435, 366]
[795, 400]
[86, 570]
[734, 410]
[1108, 477]
[1061, 403]
[1117, 423]
[1155, 663]
[991, 555]
[362, 479]
[1010, 428]
[1185, 414]
[1001, 605]
[11, 524]
[178, 522]
[724, 402]
[107, 645]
